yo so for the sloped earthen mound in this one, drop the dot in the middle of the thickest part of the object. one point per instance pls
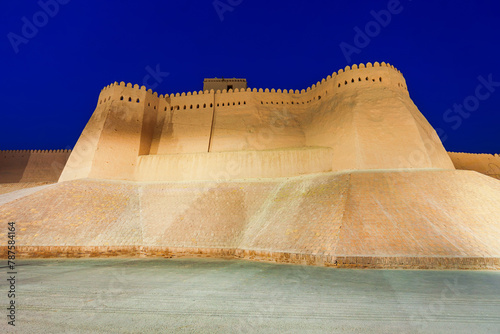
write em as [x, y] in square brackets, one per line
[412, 219]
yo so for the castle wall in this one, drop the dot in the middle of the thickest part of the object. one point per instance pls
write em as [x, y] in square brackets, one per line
[363, 113]
[369, 123]
[487, 164]
[186, 128]
[32, 165]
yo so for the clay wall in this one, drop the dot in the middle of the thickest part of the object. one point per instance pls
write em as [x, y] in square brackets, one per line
[363, 113]
[32, 165]
[488, 164]
[215, 166]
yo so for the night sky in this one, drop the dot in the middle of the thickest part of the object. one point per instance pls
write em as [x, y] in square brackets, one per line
[54, 65]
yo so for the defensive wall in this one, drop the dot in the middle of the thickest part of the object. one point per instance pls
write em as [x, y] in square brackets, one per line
[32, 165]
[488, 164]
[362, 114]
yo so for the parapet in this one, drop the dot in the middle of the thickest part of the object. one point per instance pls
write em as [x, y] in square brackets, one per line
[34, 151]
[376, 73]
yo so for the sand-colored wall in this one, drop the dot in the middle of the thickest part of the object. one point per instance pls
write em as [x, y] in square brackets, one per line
[488, 164]
[120, 129]
[218, 166]
[363, 113]
[32, 165]
[371, 122]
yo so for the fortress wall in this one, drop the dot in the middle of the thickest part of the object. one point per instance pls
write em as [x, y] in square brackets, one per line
[163, 115]
[256, 121]
[152, 105]
[217, 166]
[32, 165]
[369, 124]
[354, 111]
[81, 160]
[126, 127]
[187, 124]
[487, 164]
[12, 165]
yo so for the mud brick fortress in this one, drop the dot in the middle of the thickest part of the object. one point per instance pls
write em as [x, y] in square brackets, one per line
[345, 173]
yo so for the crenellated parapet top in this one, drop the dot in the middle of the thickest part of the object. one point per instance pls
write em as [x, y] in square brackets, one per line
[497, 155]
[336, 82]
[34, 151]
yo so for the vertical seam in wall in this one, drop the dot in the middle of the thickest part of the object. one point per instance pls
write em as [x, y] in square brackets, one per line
[211, 125]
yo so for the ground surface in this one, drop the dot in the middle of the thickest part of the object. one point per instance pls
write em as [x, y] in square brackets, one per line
[237, 296]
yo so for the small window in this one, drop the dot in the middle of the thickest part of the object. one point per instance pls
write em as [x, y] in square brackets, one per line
[149, 104]
[121, 98]
[239, 103]
[380, 79]
[345, 83]
[137, 101]
[339, 85]
[359, 79]
[366, 78]
[165, 109]
[244, 102]
[154, 107]
[210, 105]
[184, 106]
[234, 103]
[319, 97]
[204, 105]
[352, 80]
[197, 106]
[229, 87]
[191, 107]
[129, 99]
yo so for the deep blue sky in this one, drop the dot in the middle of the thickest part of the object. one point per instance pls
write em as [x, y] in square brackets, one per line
[49, 88]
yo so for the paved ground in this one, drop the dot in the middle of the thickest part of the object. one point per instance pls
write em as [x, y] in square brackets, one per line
[234, 296]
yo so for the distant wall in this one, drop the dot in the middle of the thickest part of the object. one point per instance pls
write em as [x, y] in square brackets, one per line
[487, 164]
[32, 165]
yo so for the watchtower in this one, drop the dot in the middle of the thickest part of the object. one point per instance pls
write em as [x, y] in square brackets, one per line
[223, 83]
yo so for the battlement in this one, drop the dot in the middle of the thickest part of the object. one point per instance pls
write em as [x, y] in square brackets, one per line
[33, 151]
[337, 82]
